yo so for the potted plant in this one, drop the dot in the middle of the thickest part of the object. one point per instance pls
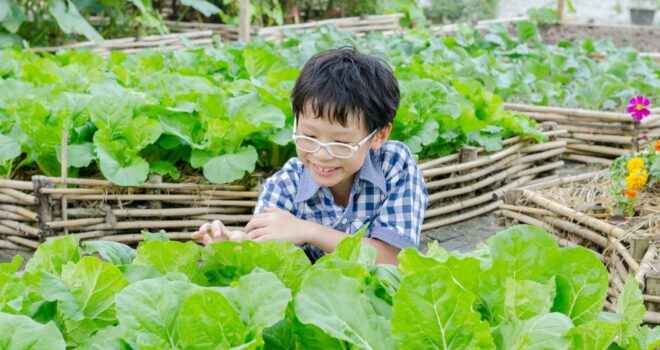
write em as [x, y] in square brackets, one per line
[642, 11]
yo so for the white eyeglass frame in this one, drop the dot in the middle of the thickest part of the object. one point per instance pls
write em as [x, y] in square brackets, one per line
[319, 144]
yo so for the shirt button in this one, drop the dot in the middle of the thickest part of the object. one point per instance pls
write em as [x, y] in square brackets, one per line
[343, 221]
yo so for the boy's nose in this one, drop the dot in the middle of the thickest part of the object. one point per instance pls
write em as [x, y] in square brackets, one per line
[323, 153]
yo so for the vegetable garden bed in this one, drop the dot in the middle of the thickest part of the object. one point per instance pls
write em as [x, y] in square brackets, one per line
[461, 186]
[574, 210]
[595, 137]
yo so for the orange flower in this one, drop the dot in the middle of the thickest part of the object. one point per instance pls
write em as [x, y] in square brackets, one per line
[656, 146]
[630, 193]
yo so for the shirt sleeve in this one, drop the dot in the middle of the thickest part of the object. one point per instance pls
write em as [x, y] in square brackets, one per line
[279, 191]
[399, 219]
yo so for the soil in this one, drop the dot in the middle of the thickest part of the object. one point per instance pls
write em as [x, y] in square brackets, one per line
[642, 38]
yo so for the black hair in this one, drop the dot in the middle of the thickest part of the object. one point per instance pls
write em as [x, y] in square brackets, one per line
[342, 81]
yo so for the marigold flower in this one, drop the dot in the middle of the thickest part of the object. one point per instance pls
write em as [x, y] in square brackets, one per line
[635, 165]
[656, 146]
[637, 180]
[639, 107]
[630, 193]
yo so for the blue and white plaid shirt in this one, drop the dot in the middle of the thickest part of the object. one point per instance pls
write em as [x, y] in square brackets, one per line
[388, 193]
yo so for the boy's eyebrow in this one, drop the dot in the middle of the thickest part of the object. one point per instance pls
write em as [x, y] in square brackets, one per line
[341, 133]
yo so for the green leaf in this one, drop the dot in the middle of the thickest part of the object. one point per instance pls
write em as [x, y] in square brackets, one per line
[333, 302]
[53, 254]
[526, 299]
[5, 8]
[631, 304]
[581, 285]
[147, 311]
[109, 338]
[14, 19]
[9, 148]
[526, 31]
[70, 20]
[539, 332]
[208, 321]
[229, 167]
[594, 335]
[78, 155]
[432, 312]
[205, 7]
[163, 168]
[169, 256]
[114, 252]
[261, 300]
[133, 173]
[141, 132]
[19, 332]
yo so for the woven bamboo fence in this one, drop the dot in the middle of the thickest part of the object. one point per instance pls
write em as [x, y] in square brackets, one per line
[573, 209]
[460, 186]
[595, 137]
[193, 34]
[360, 25]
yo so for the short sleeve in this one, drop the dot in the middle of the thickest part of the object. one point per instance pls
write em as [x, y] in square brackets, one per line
[279, 190]
[399, 219]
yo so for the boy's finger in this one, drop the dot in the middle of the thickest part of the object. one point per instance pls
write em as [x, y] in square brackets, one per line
[201, 232]
[256, 233]
[216, 230]
[207, 240]
[263, 238]
[254, 223]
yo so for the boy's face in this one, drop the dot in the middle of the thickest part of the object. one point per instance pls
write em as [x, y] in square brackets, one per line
[326, 169]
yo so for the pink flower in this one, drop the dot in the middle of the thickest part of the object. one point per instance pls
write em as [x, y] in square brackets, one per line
[639, 107]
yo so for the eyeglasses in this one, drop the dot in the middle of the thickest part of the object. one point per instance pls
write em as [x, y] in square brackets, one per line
[335, 149]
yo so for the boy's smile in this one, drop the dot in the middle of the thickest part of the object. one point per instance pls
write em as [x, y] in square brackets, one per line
[329, 171]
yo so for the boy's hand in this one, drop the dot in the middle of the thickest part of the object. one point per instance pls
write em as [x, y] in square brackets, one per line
[215, 232]
[275, 223]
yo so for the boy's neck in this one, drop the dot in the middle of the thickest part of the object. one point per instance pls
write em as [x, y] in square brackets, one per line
[341, 192]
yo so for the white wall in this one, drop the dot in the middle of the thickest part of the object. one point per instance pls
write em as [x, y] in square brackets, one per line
[598, 11]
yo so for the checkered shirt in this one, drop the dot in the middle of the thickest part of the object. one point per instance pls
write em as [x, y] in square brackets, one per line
[388, 193]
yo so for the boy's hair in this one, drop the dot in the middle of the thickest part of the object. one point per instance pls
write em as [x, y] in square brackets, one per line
[342, 81]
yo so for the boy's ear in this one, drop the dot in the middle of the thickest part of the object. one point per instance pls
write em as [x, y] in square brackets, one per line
[381, 136]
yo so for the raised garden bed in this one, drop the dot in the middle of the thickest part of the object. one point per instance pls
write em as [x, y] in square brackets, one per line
[575, 211]
[461, 186]
[595, 137]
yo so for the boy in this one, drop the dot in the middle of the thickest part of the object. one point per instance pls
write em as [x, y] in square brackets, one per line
[346, 174]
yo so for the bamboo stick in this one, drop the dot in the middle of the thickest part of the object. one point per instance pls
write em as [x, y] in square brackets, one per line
[566, 179]
[587, 159]
[578, 113]
[156, 197]
[148, 225]
[651, 298]
[476, 200]
[472, 175]
[20, 211]
[137, 237]
[526, 210]
[542, 180]
[572, 129]
[8, 231]
[477, 185]
[540, 169]
[94, 212]
[611, 151]
[470, 165]
[105, 183]
[17, 185]
[646, 265]
[23, 197]
[12, 216]
[460, 217]
[24, 242]
[540, 156]
[574, 214]
[651, 317]
[73, 223]
[211, 202]
[224, 218]
[9, 199]
[20, 227]
[86, 235]
[543, 146]
[9, 245]
[432, 163]
[621, 140]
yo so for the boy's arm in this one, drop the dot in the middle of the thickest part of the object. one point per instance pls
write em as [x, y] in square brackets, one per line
[327, 239]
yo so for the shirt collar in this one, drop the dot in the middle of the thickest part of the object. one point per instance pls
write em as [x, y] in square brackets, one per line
[368, 172]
